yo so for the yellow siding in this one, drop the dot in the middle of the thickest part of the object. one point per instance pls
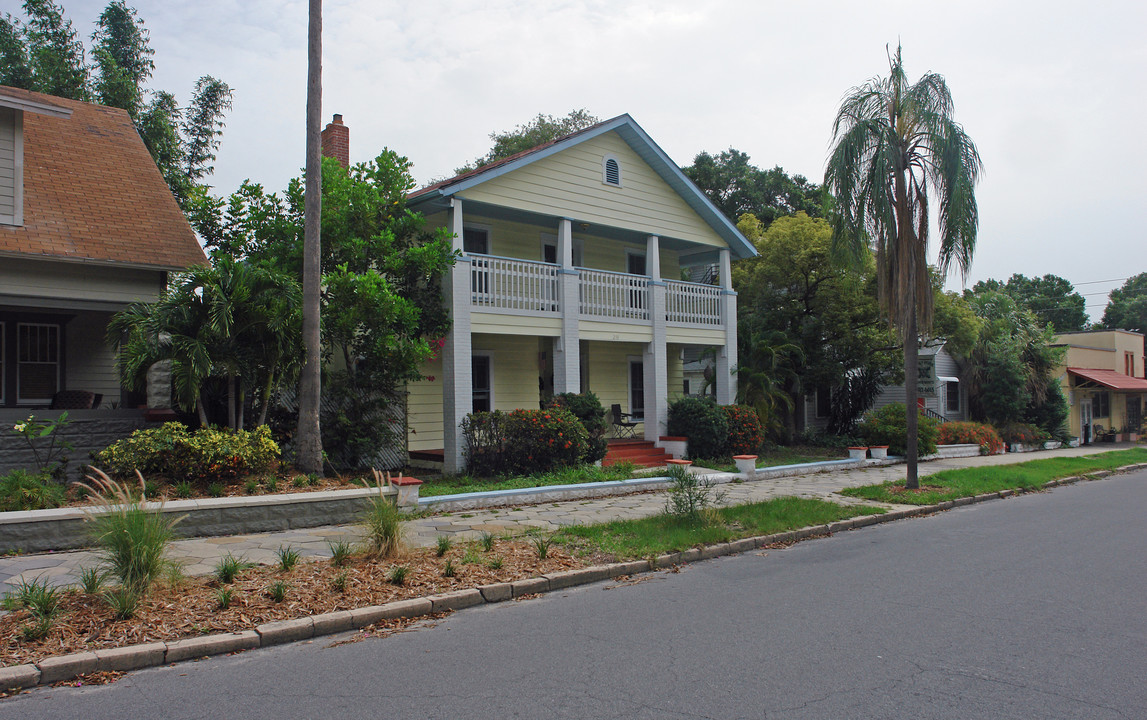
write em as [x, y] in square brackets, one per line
[675, 372]
[569, 184]
[608, 375]
[694, 336]
[424, 408]
[496, 323]
[514, 360]
[76, 281]
[614, 331]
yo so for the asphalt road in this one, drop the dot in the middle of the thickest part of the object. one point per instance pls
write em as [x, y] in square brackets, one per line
[1031, 607]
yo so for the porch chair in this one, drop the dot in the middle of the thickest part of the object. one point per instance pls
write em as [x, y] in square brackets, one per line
[622, 427]
[73, 400]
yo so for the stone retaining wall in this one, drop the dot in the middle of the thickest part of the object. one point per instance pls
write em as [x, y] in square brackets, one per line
[89, 431]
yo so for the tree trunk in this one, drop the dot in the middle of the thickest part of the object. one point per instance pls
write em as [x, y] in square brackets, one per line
[911, 375]
[202, 412]
[308, 442]
[231, 414]
[266, 396]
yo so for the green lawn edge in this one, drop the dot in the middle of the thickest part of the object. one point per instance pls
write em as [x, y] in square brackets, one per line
[646, 537]
[969, 482]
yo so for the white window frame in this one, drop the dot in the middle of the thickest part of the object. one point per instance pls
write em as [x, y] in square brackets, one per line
[959, 400]
[58, 363]
[17, 218]
[489, 355]
[483, 228]
[604, 174]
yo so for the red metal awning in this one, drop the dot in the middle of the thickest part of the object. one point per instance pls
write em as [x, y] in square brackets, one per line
[1111, 379]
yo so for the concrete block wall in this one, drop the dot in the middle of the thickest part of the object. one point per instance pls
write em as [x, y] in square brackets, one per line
[86, 434]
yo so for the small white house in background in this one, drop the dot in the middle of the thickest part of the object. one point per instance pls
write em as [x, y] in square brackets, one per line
[569, 280]
[949, 402]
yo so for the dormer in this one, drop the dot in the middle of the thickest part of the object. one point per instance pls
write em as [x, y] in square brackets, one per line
[12, 109]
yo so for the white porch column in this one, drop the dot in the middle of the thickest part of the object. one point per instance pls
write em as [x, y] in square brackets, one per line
[655, 363]
[727, 355]
[567, 357]
[457, 371]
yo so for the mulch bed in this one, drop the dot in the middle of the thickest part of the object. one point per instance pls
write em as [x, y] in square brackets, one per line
[190, 607]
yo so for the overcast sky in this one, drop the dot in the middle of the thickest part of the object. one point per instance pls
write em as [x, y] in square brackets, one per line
[1053, 93]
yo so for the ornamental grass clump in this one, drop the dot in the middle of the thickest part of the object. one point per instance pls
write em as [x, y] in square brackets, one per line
[383, 527]
[132, 537]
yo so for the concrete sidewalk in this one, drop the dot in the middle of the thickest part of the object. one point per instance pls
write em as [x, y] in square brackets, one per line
[199, 555]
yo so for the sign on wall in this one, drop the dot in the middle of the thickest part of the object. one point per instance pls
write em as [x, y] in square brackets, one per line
[926, 383]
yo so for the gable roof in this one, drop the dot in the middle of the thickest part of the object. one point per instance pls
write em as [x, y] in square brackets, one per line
[636, 138]
[92, 193]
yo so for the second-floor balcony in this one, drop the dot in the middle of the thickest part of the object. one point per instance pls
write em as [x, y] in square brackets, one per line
[510, 285]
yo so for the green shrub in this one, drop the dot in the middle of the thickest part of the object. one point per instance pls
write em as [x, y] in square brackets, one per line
[690, 495]
[703, 422]
[485, 441]
[889, 426]
[587, 408]
[22, 490]
[541, 440]
[971, 433]
[745, 433]
[205, 455]
[1024, 433]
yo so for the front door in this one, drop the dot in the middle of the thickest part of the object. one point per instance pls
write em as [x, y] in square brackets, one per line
[1085, 421]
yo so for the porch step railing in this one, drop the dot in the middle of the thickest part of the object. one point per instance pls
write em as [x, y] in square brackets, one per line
[929, 412]
[509, 284]
[614, 295]
[692, 303]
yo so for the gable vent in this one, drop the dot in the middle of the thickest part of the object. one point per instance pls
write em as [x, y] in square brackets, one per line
[612, 172]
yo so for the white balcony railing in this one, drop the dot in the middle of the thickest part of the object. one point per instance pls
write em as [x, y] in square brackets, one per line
[693, 303]
[499, 283]
[607, 294]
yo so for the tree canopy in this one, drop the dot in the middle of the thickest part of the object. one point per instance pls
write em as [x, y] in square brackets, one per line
[895, 144]
[1052, 299]
[43, 52]
[737, 187]
[542, 129]
[1127, 306]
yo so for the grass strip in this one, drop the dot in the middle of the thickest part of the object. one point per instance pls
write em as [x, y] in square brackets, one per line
[967, 482]
[631, 539]
[451, 484]
[779, 456]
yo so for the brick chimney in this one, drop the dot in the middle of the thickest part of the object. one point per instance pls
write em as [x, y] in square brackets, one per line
[336, 141]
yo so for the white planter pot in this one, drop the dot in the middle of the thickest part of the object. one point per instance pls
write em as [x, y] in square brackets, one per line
[857, 453]
[746, 464]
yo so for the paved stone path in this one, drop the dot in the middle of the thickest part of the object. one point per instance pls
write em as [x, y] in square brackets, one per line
[199, 555]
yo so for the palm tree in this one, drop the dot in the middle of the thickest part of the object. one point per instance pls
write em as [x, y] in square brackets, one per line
[308, 441]
[895, 142]
[768, 365]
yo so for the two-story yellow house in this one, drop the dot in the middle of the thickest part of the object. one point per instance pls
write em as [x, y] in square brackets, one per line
[569, 280]
[1103, 380]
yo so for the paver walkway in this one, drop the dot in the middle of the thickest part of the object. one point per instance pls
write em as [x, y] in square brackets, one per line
[199, 555]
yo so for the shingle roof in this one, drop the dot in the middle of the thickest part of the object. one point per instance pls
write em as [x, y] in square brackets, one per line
[92, 192]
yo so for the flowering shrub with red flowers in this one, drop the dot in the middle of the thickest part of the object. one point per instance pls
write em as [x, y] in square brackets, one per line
[1024, 433]
[971, 433]
[745, 433]
[541, 440]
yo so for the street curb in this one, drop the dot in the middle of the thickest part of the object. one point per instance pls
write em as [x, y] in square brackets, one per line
[134, 657]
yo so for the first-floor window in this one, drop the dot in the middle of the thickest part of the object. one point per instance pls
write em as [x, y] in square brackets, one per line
[952, 396]
[636, 389]
[37, 362]
[483, 383]
[1102, 404]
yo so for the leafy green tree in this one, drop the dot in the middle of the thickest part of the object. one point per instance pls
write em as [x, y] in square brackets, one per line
[55, 54]
[738, 187]
[44, 54]
[1053, 299]
[1127, 306]
[540, 130]
[769, 364]
[895, 143]
[827, 311]
[233, 322]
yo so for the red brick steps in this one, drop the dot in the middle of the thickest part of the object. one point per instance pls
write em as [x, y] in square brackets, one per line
[642, 453]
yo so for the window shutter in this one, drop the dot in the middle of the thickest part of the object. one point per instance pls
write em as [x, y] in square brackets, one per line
[612, 172]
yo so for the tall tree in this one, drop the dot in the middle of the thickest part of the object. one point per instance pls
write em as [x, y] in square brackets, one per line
[55, 54]
[1127, 306]
[1053, 299]
[308, 439]
[894, 143]
[540, 130]
[123, 58]
[737, 187]
[14, 68]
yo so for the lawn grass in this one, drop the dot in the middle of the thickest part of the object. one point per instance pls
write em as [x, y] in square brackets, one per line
[967, 482]
[794, 455]
[629, 539]
[451, 484]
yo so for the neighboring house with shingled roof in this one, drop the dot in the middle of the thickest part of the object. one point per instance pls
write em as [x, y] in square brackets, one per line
[87, 226]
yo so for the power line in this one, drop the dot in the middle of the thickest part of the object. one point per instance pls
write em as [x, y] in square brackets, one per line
[1096, 282]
